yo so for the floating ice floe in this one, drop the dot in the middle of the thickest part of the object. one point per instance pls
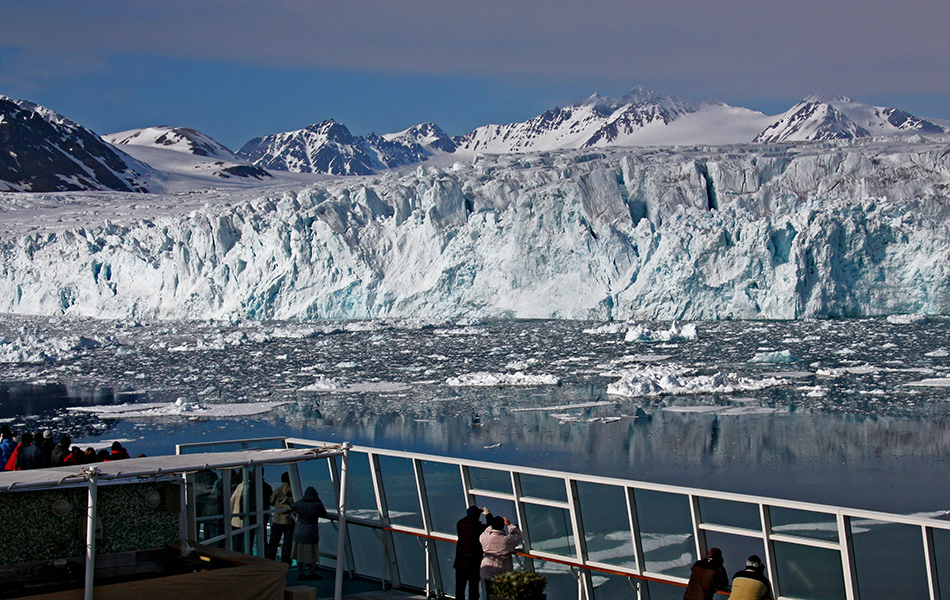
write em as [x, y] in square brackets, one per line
[607, 329]
[179, 408]
[726, 410]
[501, 379]
[659, 380]
[333, 386]
[35, 349]
[578, 405]
[856, 370]
[907, 319]
[782, 356]
[677, 331]
[935, 382]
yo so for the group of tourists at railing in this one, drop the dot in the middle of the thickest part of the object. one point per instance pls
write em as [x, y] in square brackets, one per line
[39, 450]
[708, 576]
[294, 526]
[485, 549]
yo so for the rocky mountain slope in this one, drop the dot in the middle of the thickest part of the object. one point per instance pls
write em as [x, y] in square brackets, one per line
[41, 151]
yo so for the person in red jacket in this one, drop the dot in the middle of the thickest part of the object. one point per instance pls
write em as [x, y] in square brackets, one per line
[707, 577]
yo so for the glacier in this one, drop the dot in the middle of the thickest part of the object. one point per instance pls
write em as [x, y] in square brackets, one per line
[787, 231]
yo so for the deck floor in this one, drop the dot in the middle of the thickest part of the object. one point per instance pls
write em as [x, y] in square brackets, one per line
[353, 589]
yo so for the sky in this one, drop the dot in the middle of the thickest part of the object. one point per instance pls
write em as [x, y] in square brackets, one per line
[236, 69]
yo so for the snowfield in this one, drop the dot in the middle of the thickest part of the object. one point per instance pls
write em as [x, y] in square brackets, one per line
[831, 229]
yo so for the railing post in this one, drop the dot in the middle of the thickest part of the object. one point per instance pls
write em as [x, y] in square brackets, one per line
[930, 560]
[580, 538]
[92, 508]
[765, 516]
[341, 532]
[643, 591]
[432, 560]
[522, 519]
[698, 532]
[846, 539]
[382, 507]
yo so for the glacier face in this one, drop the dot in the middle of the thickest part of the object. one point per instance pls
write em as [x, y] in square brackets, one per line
[784, 232]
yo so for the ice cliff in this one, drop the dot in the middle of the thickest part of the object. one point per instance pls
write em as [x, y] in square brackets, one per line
[780, 232]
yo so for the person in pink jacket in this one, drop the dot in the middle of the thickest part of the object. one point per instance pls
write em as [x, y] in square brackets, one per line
[498, 547]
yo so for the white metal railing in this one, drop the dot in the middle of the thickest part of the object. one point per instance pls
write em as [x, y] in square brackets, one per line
[572, 548]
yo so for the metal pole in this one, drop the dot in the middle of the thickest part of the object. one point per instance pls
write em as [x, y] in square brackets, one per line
[92, 476]
[341, 533]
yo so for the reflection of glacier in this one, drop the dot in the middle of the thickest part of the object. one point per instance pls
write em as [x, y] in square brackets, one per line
[832, 229]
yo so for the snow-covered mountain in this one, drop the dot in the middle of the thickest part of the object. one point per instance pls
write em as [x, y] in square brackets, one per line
[329, 147]
[180, 139]
[185, 152]
[816, 118]
[826, 229]
[42, 151]
[640, 118]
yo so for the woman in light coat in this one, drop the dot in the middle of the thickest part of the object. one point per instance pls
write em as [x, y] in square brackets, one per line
[498, 546]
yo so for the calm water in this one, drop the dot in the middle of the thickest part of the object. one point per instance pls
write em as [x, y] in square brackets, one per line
[847, 425]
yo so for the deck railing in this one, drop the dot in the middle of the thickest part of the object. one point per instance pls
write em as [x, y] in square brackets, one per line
[604, 538]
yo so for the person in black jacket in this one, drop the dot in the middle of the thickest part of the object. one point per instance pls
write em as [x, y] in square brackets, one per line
[468, 552]
[707, 577]
[751, 583]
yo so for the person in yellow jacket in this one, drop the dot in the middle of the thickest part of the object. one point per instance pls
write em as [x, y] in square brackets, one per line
[751, 583]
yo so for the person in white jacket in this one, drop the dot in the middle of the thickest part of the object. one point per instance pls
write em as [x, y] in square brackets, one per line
[498, 547]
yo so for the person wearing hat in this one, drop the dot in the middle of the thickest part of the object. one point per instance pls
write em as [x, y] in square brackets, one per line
[468, 552]
[751, 583]
[707, 577]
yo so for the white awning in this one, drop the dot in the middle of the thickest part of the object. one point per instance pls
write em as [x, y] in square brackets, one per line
[151, 466]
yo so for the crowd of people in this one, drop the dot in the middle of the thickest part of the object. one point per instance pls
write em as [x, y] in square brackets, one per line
[485, 549]
[40, 450]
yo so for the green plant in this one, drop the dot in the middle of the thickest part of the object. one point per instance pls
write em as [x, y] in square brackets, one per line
[518, 585]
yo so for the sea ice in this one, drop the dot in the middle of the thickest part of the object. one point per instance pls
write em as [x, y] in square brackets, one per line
[675, 380]
[783, 356]
[181, 408]
[677, 331]
[501, 379]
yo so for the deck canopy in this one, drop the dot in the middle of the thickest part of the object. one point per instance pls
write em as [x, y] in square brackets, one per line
[152, 466]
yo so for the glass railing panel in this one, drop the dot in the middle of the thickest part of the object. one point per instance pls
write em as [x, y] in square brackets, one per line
[402, 496]
[360, 497]
[369, 553]
[804, 523]
[561, 582]
[411, 559]
[498, 508]
[209, 503]
[316, 474]
[941, 542]
[614, 587]
[445, 494]
[666, 532]
[606, 523]
[446, 555]
[808, 573]
[234, 445]
[549, 488]
[729, 513]
[735, 549]
[490, 479]
[889, 560]
[550, 530]
[667, 591]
